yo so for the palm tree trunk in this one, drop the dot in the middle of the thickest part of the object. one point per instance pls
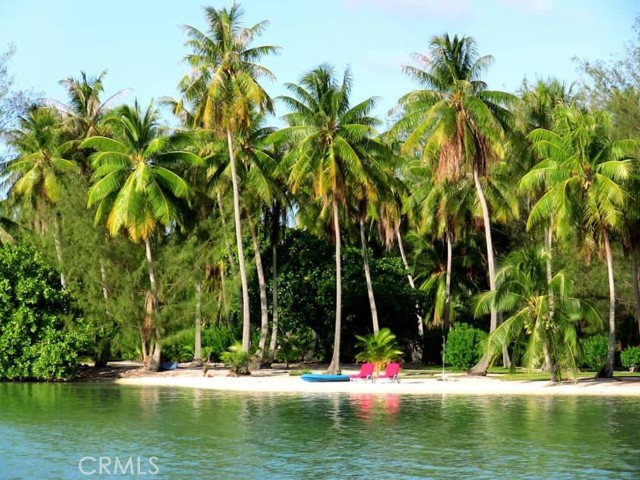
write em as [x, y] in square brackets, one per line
[411, 282]
[548, 361]
[483, 365]
[154, 363]
[246, 320]
[607, 370]
[197, 348]
[232, 263]
[367, 275]
[274, 291]
[636, 287]
[447, 283]
[334, 366]
[103, 343]
[262, 283]
[58, 244]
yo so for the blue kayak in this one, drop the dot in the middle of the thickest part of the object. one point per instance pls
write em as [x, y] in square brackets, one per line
[324, 377]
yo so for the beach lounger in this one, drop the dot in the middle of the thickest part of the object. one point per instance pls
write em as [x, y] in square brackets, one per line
[391, 372]
[366, 372]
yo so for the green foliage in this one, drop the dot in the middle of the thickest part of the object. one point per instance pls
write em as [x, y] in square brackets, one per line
[594, 351]
[464, 346]
[378, 348]
[36, 339]
[292, 347]
[215, 340]
[630, 358]
[236, 359]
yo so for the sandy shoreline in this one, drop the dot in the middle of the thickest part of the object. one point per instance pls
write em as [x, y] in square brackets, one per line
[281, 382]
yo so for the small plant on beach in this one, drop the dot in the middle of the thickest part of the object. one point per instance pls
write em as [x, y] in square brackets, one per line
[465, 345]
[378, 348]
[630, 358]
[236, 359]
[594, 352]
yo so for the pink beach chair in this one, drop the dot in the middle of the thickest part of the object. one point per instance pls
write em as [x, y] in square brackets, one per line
[366, 373]
[391, 372]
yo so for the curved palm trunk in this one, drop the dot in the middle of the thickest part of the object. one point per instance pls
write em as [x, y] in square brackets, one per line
[334, 366]
[246, 321]
[483, 365]
[197, 348]
[607, 370]
[232, 263]
[154, 362]
[411, 282]
[367, 275]
[262, 284]
[636, 287]
[447, 283]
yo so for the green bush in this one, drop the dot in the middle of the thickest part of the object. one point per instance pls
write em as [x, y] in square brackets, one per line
[216, 339]
[630, 358]
[39, 337]
[236, 359]
[464, 346]
[594, 352]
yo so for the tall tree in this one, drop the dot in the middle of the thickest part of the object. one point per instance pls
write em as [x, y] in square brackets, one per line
[35, 173]
[585, 171]
[136, 188]
[333, 143]
[457, 121]
[224, 90]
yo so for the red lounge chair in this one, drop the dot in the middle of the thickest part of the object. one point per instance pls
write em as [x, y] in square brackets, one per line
[366, 372]
[391, 372]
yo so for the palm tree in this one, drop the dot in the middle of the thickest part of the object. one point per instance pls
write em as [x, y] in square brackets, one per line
[135, 187]
[333, 144]
[378, 348]
[457, 121]
[223, 89]
[36, 173]
[523, 292]
[584, 172]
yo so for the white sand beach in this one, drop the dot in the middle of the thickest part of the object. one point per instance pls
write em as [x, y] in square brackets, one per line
[279, 381]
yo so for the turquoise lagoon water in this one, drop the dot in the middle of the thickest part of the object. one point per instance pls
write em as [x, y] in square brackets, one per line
[53, 431]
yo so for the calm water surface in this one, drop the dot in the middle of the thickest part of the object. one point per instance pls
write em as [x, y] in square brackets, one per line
[46, 430]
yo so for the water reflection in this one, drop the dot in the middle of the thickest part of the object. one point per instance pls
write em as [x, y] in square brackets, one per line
[205, 434]
[368, 406]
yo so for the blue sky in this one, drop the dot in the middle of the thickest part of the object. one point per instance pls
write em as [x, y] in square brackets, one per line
[140, 42]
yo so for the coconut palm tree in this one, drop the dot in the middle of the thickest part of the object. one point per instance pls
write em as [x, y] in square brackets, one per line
[223, 89]
[524, 293]
[378, 348]
[333, 142]
[36, 173]
[584, 172]
[457, 121]
[135, 186]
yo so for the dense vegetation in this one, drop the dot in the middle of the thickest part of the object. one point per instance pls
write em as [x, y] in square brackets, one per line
[227, 239]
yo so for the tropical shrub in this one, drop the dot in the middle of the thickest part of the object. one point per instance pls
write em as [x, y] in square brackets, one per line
[378, 348]
[630, 358]
[464, 346]
[594, 352]
[293, 347]
[37, 339]
[216, 339]
[236, 359]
